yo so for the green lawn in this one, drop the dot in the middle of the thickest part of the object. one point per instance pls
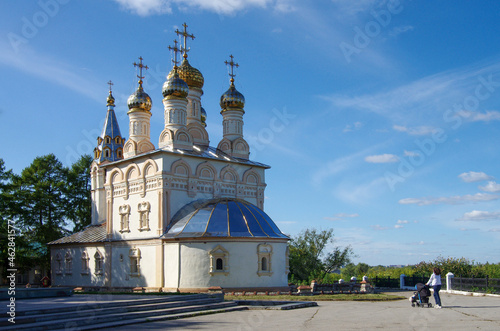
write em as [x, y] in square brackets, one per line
[323, 297]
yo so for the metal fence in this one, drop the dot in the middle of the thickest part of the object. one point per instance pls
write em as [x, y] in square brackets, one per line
[385, 282]
[482, 285]
[414, 280]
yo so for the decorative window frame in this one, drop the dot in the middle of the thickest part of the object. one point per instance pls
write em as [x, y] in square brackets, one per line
[124, 212]
[68, 263]
[59, 264]
[219, 252]
[144, 209]
[85, 263]
[135, 262]
[264, 251]
[99, 263]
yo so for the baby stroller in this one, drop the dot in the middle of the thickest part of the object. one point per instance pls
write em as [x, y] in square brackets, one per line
[421, 297]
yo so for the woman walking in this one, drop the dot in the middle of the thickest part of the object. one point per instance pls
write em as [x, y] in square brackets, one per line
[435, 283]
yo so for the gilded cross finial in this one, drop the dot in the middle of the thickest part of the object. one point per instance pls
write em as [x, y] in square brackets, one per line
[185, 35]
[141, 66]
[176, 50]
[232, 64]
[110, 100]
[110, 83]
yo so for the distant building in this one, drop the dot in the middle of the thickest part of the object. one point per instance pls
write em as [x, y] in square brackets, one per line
[183, 216]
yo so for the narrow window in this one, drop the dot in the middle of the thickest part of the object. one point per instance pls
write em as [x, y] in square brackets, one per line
[220, 264]
[135, 258]
[59, 265]
[98, 263]
[85, 263]
[264, 264]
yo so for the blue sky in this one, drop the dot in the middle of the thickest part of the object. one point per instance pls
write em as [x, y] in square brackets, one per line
[380, 119]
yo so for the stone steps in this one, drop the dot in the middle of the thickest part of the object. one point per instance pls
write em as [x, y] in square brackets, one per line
[110, 314]
[97, 304]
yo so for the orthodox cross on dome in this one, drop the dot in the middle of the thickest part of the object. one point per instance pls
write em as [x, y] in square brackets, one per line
[185, 35]
[111, 100]
[232, 64]
[176, 50]
[141, 66]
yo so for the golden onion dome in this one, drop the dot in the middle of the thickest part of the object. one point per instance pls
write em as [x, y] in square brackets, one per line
[203, 116]
[110, 100]
[189, 74]
[139, 99]
[174, 86]
[232, 99]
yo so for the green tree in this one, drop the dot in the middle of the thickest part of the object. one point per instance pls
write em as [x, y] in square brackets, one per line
[309, 259]
[5, 213]
[78, 193]
[41, 200]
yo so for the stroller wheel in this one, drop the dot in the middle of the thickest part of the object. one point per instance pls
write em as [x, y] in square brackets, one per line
[413, 305]
[429, 305]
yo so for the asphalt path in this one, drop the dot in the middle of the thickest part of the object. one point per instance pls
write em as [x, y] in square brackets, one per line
[459, 312]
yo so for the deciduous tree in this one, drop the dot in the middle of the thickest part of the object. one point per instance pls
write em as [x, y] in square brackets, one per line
[309, 259]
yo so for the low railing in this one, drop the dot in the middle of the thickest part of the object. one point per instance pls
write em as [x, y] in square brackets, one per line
[385, 282]
[481, 285]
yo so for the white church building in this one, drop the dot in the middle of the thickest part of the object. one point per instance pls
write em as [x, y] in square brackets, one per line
[182, 216]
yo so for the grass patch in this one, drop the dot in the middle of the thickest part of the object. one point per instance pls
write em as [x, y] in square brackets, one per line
[322, 297]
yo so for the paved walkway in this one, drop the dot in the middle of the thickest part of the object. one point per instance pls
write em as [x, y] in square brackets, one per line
[459, 313]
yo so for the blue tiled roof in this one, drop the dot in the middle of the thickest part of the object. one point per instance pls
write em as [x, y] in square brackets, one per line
[110, 130]
[222, 217]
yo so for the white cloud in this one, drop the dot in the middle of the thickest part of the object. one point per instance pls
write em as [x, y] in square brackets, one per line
[383, 158]
[455, 200]
[494, 230]
[379, 227]
[429, 98]
[351, 8]
[472, 116]
[492, 187]
[352, 127]
[478, 215]
[472, 176]
[226, 7]
[411, 153]
[51, 69]
[402, 222]
[398, 226]
[417, 131]
[396, 31]
[340, 216]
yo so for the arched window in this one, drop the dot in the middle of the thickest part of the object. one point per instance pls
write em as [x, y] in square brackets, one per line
[85, 263]
[106, 153]
[99, 263]
[68, 263]
[124, 212]
[219, 264]
[264, 264]
[135, 259]
[264, 253]
[144, 209]
[59, 265]
[219, 258]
